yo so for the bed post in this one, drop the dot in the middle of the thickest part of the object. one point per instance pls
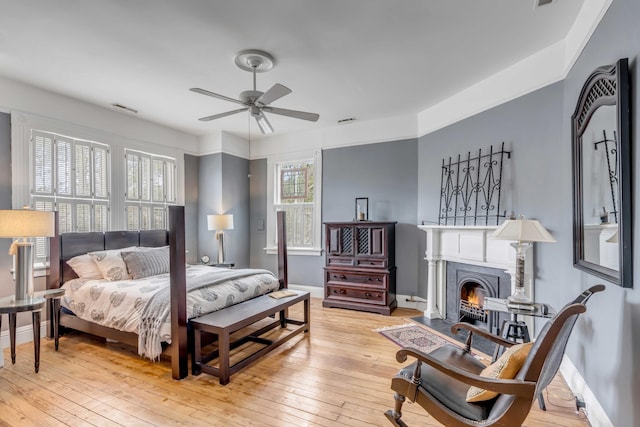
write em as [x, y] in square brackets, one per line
[53, 273]
[177, 277]
[282, 250]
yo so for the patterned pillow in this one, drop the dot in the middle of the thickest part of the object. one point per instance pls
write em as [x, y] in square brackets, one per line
[111, 264]
[85, 267]
[506, 367]
[148, 262]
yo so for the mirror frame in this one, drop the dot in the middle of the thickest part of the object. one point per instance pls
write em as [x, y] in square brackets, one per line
[607, 85]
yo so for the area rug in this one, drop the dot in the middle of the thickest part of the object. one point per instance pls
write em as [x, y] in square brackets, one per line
[412, 335]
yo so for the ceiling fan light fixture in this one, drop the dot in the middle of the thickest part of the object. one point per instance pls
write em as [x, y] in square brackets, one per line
[263, 123]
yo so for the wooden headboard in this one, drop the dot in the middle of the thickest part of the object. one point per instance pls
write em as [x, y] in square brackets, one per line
[73, 244]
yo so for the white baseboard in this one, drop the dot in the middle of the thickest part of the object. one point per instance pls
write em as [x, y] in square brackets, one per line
[314, 291]
[595, 414]
[404, 301]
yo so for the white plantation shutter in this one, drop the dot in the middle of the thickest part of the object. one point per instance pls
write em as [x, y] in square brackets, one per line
[133, 176]
[151, 187]
[83, 170]
[41, 243]
[157, 179]
[71, 176]
[65, 216]
[145, 179]
[42, 163]
[64, 165]
[101, 217]
[101, 172]
[133, 218]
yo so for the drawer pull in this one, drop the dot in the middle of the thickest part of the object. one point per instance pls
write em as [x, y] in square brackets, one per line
[367, 294]
[343, 277]
[369, 279]
[342, 291]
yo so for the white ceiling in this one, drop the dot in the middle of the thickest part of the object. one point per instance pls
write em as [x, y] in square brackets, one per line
[367, 59]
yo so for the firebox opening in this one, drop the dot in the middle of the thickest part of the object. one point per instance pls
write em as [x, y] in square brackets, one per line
[471, 303]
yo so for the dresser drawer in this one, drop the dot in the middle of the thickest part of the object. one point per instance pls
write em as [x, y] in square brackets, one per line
[370, 280]
[339, 261]
[371, 262]
[370, 296]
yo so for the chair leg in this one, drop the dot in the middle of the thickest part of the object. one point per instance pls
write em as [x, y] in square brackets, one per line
[541, 402]
[394, 415]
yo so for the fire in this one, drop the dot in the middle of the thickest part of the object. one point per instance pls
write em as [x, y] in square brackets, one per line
[475, 298]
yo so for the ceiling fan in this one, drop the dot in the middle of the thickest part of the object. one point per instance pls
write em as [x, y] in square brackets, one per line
[255, 101]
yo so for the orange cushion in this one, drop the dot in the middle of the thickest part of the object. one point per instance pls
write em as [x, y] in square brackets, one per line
[506, 367]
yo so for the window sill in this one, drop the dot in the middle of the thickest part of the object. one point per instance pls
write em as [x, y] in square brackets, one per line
[295, 251]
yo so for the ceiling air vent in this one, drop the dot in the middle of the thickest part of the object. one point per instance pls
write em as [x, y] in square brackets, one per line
[123, 108]
[540, 3]
[347, 120]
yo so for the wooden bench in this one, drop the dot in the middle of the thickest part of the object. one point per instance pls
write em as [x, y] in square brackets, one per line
[225, 322]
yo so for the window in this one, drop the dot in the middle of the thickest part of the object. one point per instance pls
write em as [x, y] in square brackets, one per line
[71, 176]
[294, 182]
[150, 188]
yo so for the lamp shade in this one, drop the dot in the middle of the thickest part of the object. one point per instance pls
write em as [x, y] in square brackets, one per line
[26, 223]
[522, 230]
[220, 222]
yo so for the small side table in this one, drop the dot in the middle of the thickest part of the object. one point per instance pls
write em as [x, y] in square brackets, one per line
[12, 307]
[34, 304]
[222, 265]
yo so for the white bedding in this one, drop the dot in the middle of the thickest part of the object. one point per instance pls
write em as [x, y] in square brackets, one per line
[120, 304]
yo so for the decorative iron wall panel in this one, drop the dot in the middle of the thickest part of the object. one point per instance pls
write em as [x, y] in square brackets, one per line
[471, 189]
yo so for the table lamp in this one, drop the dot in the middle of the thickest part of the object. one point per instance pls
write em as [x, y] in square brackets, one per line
[524, 232]
[24, 224]
[219, 223]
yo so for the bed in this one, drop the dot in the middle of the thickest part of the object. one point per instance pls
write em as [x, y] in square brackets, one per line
[159, 304]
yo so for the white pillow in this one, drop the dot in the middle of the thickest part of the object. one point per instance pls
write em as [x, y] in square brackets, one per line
[111, 264]
[85, 267]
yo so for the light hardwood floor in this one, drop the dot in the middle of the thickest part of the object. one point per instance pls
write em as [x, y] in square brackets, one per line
[338, 375]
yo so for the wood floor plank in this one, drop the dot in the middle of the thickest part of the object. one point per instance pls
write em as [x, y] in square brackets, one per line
[337, 375]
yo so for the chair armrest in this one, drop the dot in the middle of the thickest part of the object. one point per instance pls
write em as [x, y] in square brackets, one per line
[503, 386]
[482, 332]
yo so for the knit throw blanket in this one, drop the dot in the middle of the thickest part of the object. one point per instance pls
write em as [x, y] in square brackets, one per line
[158, 307]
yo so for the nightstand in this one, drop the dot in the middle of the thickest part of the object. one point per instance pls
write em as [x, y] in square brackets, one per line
[223, 265]
[34, 304]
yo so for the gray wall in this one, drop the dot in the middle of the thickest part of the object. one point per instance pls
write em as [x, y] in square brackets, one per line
[223, 185]
[606, 348]
[5, 201]
[387, 174]
[605, 345]
[191, 197]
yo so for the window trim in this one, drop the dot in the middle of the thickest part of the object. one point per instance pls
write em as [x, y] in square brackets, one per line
[272, 172]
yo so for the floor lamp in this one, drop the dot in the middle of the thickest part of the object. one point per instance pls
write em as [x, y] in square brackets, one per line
[24, 224]
[220, 223]
[524, 232]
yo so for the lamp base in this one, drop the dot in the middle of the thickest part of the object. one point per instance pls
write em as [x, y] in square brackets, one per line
[519, 296]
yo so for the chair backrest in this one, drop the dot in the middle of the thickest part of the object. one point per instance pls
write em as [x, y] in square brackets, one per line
[545, 356]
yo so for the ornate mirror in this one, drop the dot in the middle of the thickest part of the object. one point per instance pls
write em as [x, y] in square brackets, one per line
[602, 176]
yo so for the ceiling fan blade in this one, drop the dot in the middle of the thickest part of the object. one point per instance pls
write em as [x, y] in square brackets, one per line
[263, 123]
[312, 117]
[215, 95]
[276, 91]
[218, 116]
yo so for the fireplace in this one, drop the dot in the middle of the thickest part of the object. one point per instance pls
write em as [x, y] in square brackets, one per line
[473, 247]
[467, 285]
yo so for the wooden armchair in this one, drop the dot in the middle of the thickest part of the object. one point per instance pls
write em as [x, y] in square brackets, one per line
[439, 381]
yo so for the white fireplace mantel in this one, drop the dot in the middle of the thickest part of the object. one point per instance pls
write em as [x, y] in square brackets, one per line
[467, 245]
